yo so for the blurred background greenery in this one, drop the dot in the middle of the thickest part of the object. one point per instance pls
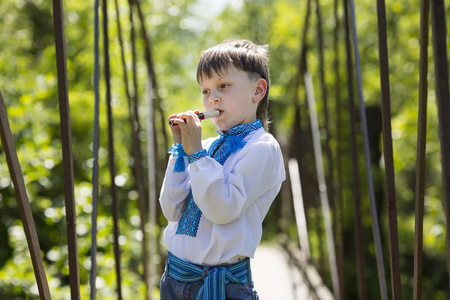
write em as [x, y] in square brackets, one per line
[179, 30]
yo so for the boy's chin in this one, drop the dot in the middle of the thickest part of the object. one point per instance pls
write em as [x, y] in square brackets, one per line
[220, 125]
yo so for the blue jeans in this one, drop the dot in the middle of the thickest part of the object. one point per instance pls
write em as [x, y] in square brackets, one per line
[172, 289]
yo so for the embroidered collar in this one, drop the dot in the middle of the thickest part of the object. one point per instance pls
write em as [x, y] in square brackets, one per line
[231, 141]
[242, 130]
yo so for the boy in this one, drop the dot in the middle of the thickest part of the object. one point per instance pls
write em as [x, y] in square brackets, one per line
[216, 205]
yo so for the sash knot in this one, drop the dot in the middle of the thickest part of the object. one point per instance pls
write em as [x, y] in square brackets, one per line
[216, 278]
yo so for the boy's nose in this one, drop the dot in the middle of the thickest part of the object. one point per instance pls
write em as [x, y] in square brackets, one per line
[214, 99]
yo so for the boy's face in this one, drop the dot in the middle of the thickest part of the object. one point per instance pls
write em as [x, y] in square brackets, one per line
[234, 94]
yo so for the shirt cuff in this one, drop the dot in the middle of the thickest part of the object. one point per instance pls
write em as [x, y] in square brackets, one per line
[177, 150]
[197, 155]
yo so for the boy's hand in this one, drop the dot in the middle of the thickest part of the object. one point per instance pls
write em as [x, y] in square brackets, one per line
[189, 130]
[176, 131]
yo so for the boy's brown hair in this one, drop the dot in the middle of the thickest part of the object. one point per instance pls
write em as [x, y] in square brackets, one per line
[243, 55]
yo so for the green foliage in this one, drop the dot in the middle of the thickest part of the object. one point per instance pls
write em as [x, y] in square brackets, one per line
[179, 31]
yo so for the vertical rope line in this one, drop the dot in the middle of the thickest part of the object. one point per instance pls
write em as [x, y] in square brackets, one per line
[329, 155]
[360, 274]
[133, 54]
[66, 140]
[300, 77]
[136, 151]
[151, 157]
[324, 94]
[330, 186]
[373, 209]
[295, 154]
[152, 95]
[23, 202]
[122, 59]
[111, 157]
[300, 67]
[339, 199]
[299, 206]
[151, 266]
[421, 147]
[93, 273]
[443, 102]
[396, 284]
[151, 72]
[322, 182]
[134, 64]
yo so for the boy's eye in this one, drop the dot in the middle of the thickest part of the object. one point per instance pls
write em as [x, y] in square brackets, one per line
[205, 92]
[224, 85]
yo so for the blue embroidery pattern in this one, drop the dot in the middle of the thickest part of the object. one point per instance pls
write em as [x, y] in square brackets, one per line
[197, 155]
[220, 150]
[188, 224]
[232, 141]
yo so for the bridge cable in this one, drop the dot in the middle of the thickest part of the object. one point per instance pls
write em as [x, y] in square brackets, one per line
[329, 155]
[151, 73]
[111, 156]
[298, 80]
[359, 247]
[373, 209]
[152, 150]
[443, 102]
[421, 147]
[23, 202]
[294, 149]
[339, 207]
[388, 152]
[303, 45]
[66, 139]
[93, 272]
[136, 152]
[321, 181]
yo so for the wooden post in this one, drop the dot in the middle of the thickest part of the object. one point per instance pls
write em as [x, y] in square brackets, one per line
[443, 101]
[66, 139]
[23, 202]
[388, 152]
[421, 148]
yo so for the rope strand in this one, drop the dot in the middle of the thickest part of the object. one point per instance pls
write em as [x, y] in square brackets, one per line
[93, 273]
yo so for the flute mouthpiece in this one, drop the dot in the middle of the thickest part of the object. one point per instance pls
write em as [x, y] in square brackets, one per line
[208, 114]
[202, 116]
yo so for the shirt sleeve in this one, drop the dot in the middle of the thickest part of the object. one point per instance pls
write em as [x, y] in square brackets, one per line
[257, 173]
[174, 191]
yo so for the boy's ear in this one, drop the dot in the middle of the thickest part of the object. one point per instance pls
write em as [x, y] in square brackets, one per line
[260, 90]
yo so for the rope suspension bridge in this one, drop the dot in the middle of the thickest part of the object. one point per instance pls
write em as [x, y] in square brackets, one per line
[316, 280]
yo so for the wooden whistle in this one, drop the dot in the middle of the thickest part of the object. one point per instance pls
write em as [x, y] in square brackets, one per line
[202, 116]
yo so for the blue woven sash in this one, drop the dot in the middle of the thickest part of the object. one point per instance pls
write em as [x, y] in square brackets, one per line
[215, 278]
